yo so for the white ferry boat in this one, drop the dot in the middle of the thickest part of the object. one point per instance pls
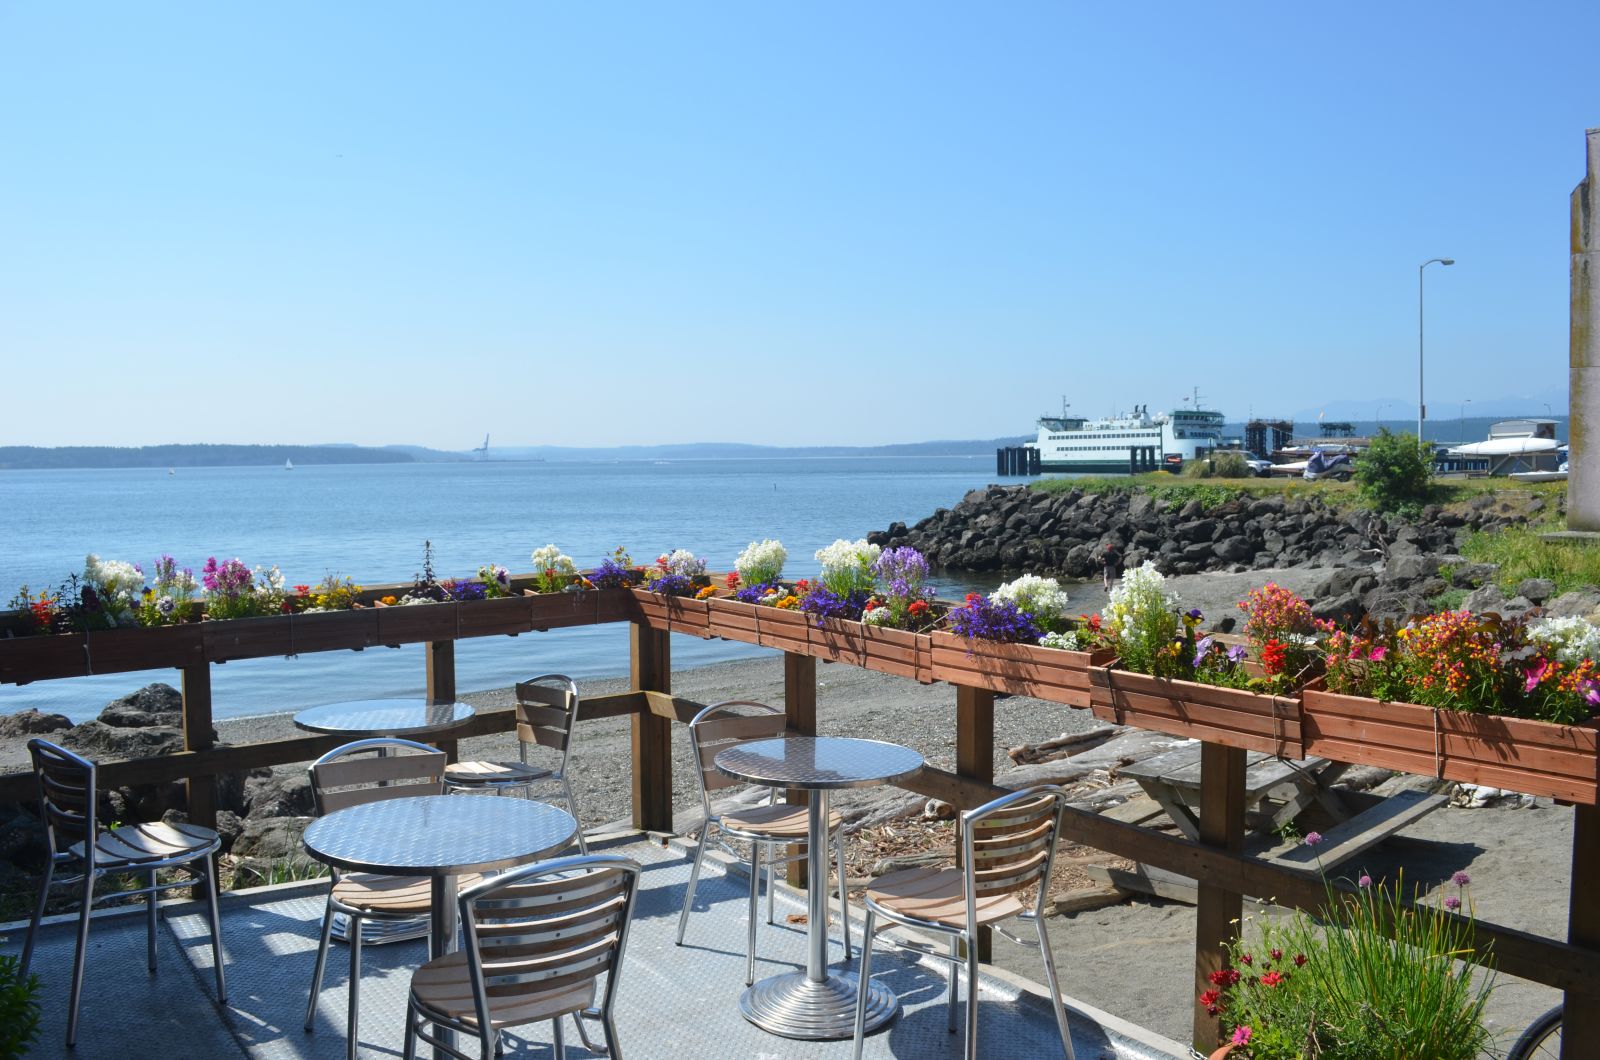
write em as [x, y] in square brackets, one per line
[1137, 441]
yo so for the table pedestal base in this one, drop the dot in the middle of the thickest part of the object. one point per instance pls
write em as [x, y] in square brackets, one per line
[794, 1006]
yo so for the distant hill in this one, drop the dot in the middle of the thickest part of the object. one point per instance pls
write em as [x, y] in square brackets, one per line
[27, 457]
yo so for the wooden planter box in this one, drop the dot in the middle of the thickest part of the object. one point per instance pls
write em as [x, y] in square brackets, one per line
[888, 651]
[784, 630]
[1534, 757]
[736, 620]
[675, 614]
[1229, 716]
[247, 638]
[1018, 669]
[418, 623]
[332, 630]
[42, 657]
[120, 651]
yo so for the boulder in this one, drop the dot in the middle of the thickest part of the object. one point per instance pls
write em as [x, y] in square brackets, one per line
[32, 722]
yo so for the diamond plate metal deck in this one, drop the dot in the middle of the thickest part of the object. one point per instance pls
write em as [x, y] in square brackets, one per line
[673, 1002]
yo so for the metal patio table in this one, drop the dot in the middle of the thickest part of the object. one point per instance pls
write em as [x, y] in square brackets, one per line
[813, 1004]
[443, 838]
[363, 718]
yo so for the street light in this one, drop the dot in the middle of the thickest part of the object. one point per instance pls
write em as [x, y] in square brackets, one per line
[1461, 421]
[1422, 408]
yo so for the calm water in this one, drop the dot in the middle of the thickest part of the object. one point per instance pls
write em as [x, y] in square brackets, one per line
[369, 522]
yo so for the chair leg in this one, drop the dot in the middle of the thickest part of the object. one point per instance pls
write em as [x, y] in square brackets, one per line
[972, 996]
[353, 1019]
[844, 894]
[1055, 987]
[572, 804]
[213, 886]
[864, 981]
[38, 915]
[955, 976]
[152, 910]
[694, 878]
[322, 963]
[755, 893]
[78, 958]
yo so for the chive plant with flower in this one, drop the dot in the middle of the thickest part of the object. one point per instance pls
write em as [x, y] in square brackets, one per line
[1380, 976]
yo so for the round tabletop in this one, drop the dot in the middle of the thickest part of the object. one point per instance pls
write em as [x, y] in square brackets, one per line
[383, 717]
[439, 835]
[819, 762]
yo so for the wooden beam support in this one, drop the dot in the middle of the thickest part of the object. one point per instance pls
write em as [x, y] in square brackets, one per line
[800, 706]
[1220, 909]
[197, 729]
[651, 668]
[1581, 1008]
[441, 662]
[975, 762]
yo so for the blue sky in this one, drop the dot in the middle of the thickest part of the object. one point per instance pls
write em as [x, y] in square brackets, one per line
[603, 224]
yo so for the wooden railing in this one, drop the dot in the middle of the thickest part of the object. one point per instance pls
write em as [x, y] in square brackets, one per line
[1224, 873]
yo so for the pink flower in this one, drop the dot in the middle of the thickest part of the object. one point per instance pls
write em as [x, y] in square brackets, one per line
[1241, 1035]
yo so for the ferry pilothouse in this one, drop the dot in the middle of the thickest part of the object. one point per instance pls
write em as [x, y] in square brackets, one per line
[1136, 441]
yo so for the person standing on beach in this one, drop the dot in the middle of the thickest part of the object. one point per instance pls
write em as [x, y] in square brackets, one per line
[1110, 563]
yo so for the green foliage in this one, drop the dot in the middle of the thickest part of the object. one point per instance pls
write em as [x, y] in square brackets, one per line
[1393, 473]
[19, 1009]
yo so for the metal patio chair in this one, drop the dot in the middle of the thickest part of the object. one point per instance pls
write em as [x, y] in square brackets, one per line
[1007, 846]
[357, 773]
[67, 796]
[547, 709]
[538, 939]
[767, 828]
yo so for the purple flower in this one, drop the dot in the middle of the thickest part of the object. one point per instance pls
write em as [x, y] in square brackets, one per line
[1452, 903]
[1461, 879]
[1236, 654]
[1313, 838]
[1364, 881]
[1201, 649]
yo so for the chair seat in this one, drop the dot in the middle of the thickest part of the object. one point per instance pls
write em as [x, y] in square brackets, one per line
[781, 821]
[939, 895]
[156, 841]
[494, 773]
[443, 987]
[389, 895]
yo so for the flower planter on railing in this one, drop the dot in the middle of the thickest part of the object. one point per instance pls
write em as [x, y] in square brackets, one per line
[675, 614]
[1051, 674]
[1518, 754]
[1229, 716]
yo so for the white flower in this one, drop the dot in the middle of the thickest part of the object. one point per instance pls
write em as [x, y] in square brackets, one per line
[1569, 640]
[847, 565]
[551, 558]
[1042, 598]
[761, 561]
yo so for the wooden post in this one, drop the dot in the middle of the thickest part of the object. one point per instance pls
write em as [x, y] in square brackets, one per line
[202, 791]
[975, 760]
[1581, 1012]
[800, 704]
[1219, 911]
[441, 659]
[651, 671]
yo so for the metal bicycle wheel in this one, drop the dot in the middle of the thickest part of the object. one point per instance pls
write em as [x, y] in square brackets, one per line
[1542, 1039]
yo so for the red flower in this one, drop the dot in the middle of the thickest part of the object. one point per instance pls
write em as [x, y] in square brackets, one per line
[1271, 979]
[1272, 656]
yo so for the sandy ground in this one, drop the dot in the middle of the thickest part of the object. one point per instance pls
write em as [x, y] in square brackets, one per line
[1131, 959]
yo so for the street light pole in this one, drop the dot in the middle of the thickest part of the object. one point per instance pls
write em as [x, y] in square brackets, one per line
[1422, 408]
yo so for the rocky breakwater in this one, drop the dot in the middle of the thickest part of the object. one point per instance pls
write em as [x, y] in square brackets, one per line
[260, 817]
[1371, 563]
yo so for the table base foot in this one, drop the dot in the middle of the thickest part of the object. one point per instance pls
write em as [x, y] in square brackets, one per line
[794, 1006]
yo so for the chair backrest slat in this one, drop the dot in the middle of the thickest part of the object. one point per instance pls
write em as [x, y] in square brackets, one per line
[718, 728]
[67, 795]
[356, 773]
[546, 712]
[1011, 841]
[549, 925]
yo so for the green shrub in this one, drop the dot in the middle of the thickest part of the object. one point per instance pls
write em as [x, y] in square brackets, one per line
[1393, 473]
[19, 1009]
